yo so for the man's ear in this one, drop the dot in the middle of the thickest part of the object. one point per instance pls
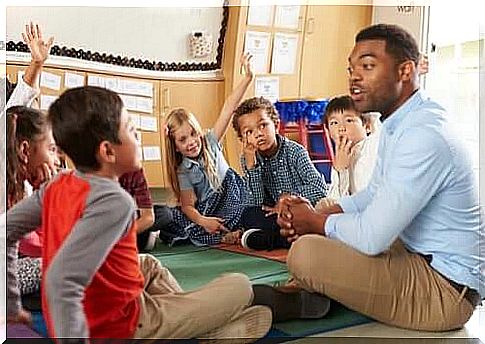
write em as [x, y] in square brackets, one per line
[106, 152]
[407, 70]
[24, 151]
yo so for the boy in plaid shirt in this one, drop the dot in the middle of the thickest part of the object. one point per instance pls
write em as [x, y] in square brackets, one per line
[273, 166]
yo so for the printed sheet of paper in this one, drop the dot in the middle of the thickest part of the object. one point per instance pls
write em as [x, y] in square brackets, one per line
[151, 153]
[94, 80]
[259, 15]
[257, 44]
[148, 123]
[46, 101]
[287, 17]
[267, 87]
[144, 104]
[138, 88]
[284, 53]
[72, 80]
[50, 80]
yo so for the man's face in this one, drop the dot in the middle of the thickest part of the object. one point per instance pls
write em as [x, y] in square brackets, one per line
[374, 78]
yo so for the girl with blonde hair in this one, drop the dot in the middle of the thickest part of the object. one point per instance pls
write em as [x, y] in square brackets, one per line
[209, 192]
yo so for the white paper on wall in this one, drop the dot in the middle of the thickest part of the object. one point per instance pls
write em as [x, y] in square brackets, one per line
[287, 16]
[144, 104]
[138, 88]
[267, 87]
[129, 102]
[259, 15]
[151, 153]
[257, 44]
[112, 84]
[94, 80]
[148, 123]
[284, 53]
[46, 101]
[72, 80]
[50, 80]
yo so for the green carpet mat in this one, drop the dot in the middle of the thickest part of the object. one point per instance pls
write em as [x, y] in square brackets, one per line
[195, 266]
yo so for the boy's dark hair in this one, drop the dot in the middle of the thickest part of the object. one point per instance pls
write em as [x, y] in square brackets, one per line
[341, 104]
[399, 43]
[251, 105]
[81, 119]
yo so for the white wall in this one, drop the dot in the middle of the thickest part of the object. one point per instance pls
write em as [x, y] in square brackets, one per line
[410, 18]
[153, 33]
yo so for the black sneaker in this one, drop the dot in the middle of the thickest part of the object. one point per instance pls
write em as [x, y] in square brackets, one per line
[257, 239]
[289, 303]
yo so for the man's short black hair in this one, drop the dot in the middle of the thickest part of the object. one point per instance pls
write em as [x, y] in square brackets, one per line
[82, 118]
[399, 43]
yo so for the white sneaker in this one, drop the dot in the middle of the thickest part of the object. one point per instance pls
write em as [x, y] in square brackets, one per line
[152, 239]
[252, 324]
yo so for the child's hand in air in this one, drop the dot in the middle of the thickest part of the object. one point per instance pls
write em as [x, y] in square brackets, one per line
[246, 65]
[213, 224]
[249, 151]
[43, 173]
[344, 153]
[39, 49]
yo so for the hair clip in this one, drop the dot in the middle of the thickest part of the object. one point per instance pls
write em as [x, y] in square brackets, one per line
[166, 130]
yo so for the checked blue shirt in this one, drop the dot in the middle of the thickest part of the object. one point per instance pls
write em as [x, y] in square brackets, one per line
[290, 170]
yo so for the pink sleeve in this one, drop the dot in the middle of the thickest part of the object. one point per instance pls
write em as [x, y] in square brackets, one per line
[31, 244]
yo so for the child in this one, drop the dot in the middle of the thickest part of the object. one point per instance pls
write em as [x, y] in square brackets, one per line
[210, 193]
[274, 166]
[136, 185]
[31, 156]
[94, 285]
[356, 138]
[24, 92]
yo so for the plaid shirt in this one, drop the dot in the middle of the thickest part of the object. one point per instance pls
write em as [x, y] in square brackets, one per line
[288, 171]
[136, 185]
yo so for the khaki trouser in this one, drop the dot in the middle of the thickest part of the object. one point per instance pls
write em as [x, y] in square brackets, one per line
[166, 311]
[396, 287]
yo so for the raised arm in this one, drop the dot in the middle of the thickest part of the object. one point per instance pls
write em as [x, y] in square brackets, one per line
[231, 103]
[39, 51]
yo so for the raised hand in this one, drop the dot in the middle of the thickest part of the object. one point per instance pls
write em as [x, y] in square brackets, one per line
[246, 65]
[39, 49]
[344, 152]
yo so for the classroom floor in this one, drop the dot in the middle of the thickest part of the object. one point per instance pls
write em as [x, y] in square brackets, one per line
[376, 333]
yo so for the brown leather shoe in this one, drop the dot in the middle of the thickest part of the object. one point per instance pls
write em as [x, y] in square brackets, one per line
[290, 302]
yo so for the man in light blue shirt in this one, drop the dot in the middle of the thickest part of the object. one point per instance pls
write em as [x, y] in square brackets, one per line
[409, 250]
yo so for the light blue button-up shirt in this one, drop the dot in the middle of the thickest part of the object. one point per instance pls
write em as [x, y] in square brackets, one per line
[423, 191]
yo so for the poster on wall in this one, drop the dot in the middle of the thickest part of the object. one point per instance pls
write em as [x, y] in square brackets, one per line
[284, 53]
[259, 15]
[287, 17]
[267, 87]
[257, 44]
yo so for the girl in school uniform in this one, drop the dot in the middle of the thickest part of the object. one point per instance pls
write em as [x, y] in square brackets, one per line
[209, 192]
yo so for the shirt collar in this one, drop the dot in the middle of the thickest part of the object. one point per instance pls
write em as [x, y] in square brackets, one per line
[187, 162]
[393, 121]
